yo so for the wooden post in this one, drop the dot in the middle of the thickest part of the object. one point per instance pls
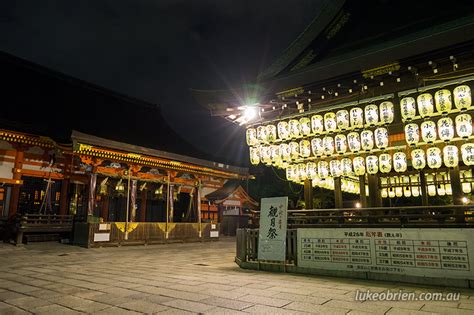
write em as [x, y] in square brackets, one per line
[63, 197]
[308, 194]
[338, 193]
[198, 206]
[456, 185]
[423, 189]
[375, 199]
[363, 195]
[17, 167]
[143, 206]
[105, 208]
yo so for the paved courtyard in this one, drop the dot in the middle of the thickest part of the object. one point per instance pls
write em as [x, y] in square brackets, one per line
[182, 279]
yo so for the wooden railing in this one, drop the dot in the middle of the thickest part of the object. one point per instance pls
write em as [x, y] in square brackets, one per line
[42, 223]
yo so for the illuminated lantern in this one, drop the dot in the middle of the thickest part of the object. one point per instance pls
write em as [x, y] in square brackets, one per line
[371, 114]
[462, 97]
[294, 150]
[443, 101]
[357, 117]
[271, 133]
[466, 177]
[353, 140]
[302, 172]
[254, 155]
[387, 112]
[408, 108]
[415, 188]
[323, 169]
[450, 156]
[311, 170]
[305, 148]
[372, 163]
[291, 173]
[433, 157]
[294, 128]
[330, 122]
[385, 163]
[251, 136]
[440, 185]
[340, 142]
[367, 140]
[317, 124]
[283, 130]
[467, 153]
[418, 159]
[431, 185]
[464, 125]
[275, 154]
[342, 119]
[317, 147]
[428, 131]
[406, 186]
[262, 134]
[328, 143]
[266, 154]
[381, 138]
[346, 166]
[400, 162]
[358, 164]
[425, 104]
[383, 191]
[335, 168]
[412, 134]
[446, 129]
[305, 126]
[285, 152]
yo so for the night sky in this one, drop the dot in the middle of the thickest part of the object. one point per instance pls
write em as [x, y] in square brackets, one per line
[157, 50]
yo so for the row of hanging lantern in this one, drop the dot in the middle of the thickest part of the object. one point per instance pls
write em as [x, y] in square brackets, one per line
[400, 186]
[442, 103]
[444, 129]
[348, 185]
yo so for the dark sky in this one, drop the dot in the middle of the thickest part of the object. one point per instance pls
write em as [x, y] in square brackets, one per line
[157, 50]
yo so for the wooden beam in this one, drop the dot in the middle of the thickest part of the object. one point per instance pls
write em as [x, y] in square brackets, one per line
[338, 193]
[308, 194]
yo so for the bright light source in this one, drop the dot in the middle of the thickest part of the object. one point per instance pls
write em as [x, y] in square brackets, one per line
[250, 113]
[465, 200]
[232, 117]
[357, 205]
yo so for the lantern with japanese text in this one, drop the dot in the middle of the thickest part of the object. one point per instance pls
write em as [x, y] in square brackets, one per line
[353, 140]
[305, 148]
[340, 142]
[400, 162]
[323, 169]
[446, 129]
[381, 137]
[346, 166]
[412, 134]
[406, 186]
[305, 126]
[262, 134]
[254, 155]
[431, 185]
[295, 129]
[292, 173]
[330, 122]
[385, 163]
[275, 154]
[372, 164]
[408, 108]
[371, 114]
[415, 185]
[302, 171]
[464, 125]
[358, 163]
[433, 157]
[418, 159]
[466, 176]
[266, 154]
[335, 168]
[467, 153]
[450, 156]
[428, 131]
[367, 140]
[317, 146]
[283, 130]
[311, 170]
[440, 188]
[271, 133]
[443, 101]
[342, 119]
[295, 150]
[387, 112]
[383, 184]
[328, 143]
[357, 117]
[251, 136]
[462, 97]
[317, 124]
[285, 152]
[425, 104]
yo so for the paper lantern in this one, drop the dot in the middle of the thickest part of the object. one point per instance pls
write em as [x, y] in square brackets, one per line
[446, 129]
[428, 131]
[275, 154]
[466, 176]
[391, 192]
[367, 140]
[372, 164]
[323, 169]
[266, 154]
[295, 150]
[450, 156]
[387, 112]
[425, 104]
[462, 97]
[291, 173]
[358, 163]
[342, 119]
[302, 172]
[357, 117]
[335, 168]
[311, 170]
[295, 129]
[346, 166]
[381, 137]
[467, 153]
[415, 188]
[330, 124]
[431, 185]
[251, 136]
[400, 162]
[443, 101]
[328, 143]
[412, 134]
[317, 147]
[399, 191]
[371, 114]
[262, 134]
[385, 163]
[340, 143]
[408, 108]
[433, 157]
[406, 186]
[254, 155]
[305, 126]
[353, 140]
[440, 189]
[271, 133]
[384, 193]
[283, 130]
[305, 148]
[285, 152]
[317, 124]
[464, 125]
[418, 159]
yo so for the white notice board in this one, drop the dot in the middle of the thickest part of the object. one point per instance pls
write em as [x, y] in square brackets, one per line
[272, 232]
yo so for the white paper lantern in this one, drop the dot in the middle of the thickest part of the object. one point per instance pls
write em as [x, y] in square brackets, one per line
[346, 166]
[450, 156]
[317, 146]
[302, 172]
[381, 137]
[357, 117]
[283, 130]
[433, 157]
[446, 129]
[406, 186]
[387, 112]
[431, 185]
[408, 108]
[271, 133]
[371, 114]
[400, 162]
[305, 148]
[295, 128]
[391, 192]
[285, 152]
[443, 101]
[412, 134]
[399, 191]
[425, 104]
[415, 188]
[342, 119]
[262, 134]
[367, 140]
[385, 163]
[467, 153]
[418, 159]
[440, 189]
[372, 164]
[266, 154]
[317, 124]
[462, 97]
[251, 136]
[292, 173]
[311, 170]
[428, 131]
[254, 155]
[275, 154]
[330, 124]
[384, 193]
[464, 125]
[305, 126]
[353, 140]
[328, 143]
[358, 163]
[335, 168]
[340, 143]
[323, 169]
[295, 150]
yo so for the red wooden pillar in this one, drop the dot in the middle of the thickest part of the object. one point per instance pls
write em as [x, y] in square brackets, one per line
[143, 206]
[18, 165]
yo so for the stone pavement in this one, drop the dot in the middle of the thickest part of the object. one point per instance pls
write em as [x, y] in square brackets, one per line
[193, 278]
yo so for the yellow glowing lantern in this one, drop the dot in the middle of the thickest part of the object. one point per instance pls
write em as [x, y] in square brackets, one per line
[433, 157]
[431, 185]
[400, 162]
[372, 164]
[305, 148]
[251, 136]
[323, 169]
[406, 186]
[266, 154]
[428, 131]
[466, 177]
[285, 152]
[305, 126]
[385, 163]
[450, 156]
[446, 129]
[418, 159]
[358, 163]
[330, 123]
[335, 168]
[440, 189]
[467, 153]
[381, 137]
[443, 101]
[254, 155]
[357, 117]
[271, 131]
[311, 170]
[384, 193]
[387, 112]
[328, 143]
[464, 125]
[353, 140]
[262, 134]
[371, 114]
[425, 104]
[295, 128]
[294, 150]
[342, 119]
[283, 130]
[275, 154]
[317, 124]
[462, 97]
[367, 140]
[399, 191]
[412, 134]
[340, 143]
[415, 188]
[408, 108]
[346, 166]
[291, 173]
[302, 171]
[317, 146]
